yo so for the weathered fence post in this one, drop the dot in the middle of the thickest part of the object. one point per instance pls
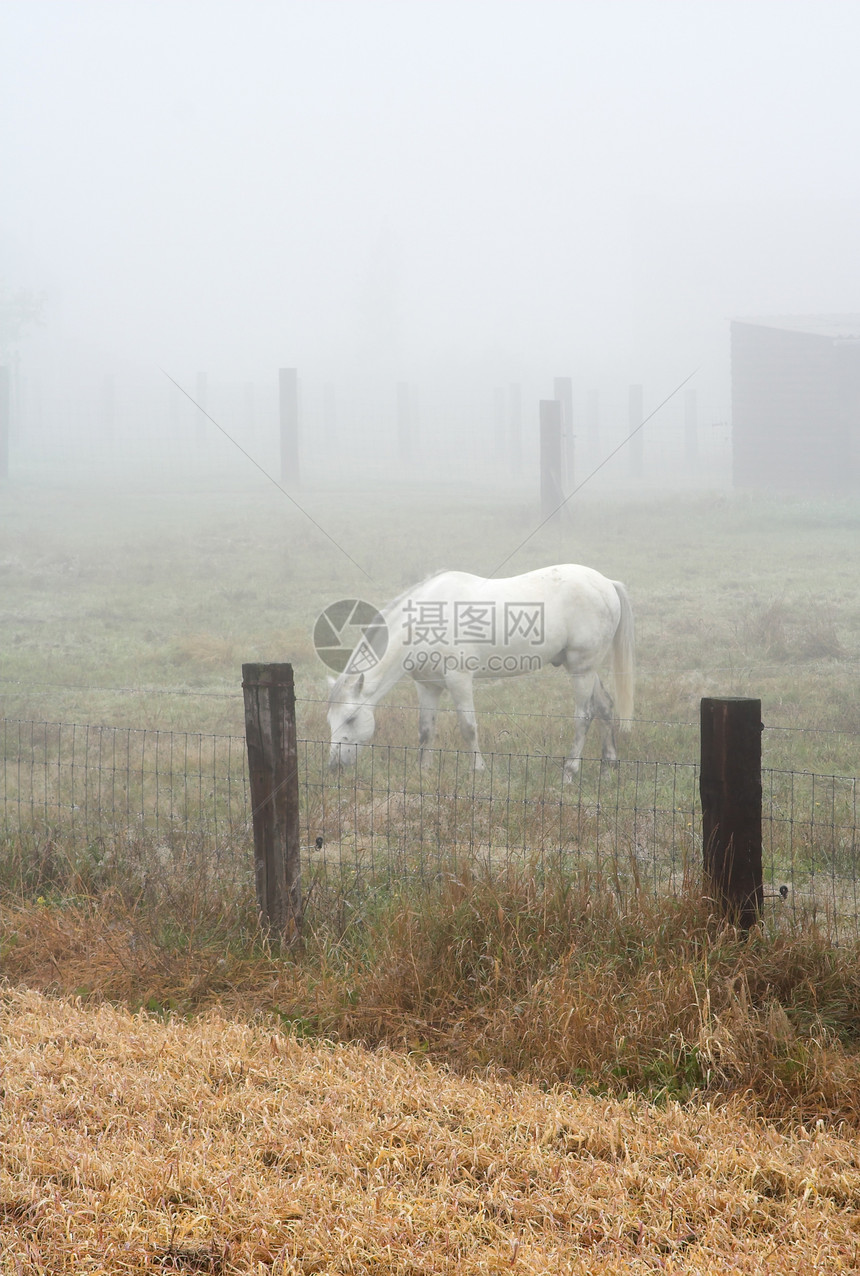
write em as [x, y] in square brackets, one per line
[516, 426]
[562, 389]
[201, 396]
[730, 787]
[635, 417]
[270, 732]
[288, 408]
[592, 421]
[551, 493]
[691, 434]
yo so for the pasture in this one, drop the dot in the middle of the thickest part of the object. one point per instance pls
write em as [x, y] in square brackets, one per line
[573, 1017]
[137, 607]
[130, 1144]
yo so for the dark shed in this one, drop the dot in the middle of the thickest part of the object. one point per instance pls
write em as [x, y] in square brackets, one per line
[796, 403]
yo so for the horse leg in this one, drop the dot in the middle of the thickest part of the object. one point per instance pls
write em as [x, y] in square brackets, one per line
[460, 687]
[603, 711]
[583, 709]
[429, 695]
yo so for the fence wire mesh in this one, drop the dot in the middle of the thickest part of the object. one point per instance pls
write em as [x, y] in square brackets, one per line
[391, 822]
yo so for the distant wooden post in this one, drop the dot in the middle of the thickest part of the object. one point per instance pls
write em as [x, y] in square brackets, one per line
[248, 410]
[405, 441]
[270, 733]
[551, 493]
[635, 417]
[201, 396]
[288, 399]
[730, 787]
[5, 420]
[592, 421]
[562, 390]
[516, 429]
[691, 434]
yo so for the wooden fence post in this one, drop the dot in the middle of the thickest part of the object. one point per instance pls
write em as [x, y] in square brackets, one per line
[730, 787]
[592, 421]
[515, 453]
[635, 417]
[201, 396]
[288, 406]
[270, 732]
[562, 389]
[691, 434]
[551, 488]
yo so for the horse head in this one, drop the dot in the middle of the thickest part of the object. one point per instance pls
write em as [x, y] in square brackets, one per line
[350, 718]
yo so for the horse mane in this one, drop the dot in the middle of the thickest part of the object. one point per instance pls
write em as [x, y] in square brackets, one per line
[385, 611]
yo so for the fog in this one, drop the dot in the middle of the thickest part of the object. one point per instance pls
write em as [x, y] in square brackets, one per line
[460, 196]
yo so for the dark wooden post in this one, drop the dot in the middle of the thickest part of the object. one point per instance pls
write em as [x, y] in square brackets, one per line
[270, 732]
[516, 423]
[691, 434]
[248, 412]
[551, 494]
[635, 417]
[288, 399]
[562, 389]
[201, 396]
[592, 421]
[5, 420]
[730, 786]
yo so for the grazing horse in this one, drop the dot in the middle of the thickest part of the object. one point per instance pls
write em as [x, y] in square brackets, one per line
[454, 627]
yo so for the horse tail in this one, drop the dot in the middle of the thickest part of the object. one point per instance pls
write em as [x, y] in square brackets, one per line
[623, 660]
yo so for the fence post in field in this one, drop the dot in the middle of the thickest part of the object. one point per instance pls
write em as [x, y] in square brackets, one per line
[635, 417]
[592, 421]
[730, 787]
[288, 407]
[270, 733]
[516, 425]
[201, 396]
[5, 420]
[691, 435]
[562, 389]
[551, 484]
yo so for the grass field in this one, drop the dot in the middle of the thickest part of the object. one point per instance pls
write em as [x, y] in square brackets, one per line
[513, 1046]
[138, 607]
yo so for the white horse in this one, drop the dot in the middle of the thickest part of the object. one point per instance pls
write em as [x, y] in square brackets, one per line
[454, 627]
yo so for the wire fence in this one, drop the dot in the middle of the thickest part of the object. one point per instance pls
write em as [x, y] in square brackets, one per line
[636, 826]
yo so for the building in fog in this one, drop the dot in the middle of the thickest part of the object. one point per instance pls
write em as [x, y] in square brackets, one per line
[796, 403]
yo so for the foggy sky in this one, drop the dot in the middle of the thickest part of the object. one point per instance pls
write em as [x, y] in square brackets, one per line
[504, 187]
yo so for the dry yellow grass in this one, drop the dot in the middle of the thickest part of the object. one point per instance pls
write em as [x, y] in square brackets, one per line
[130, 1144]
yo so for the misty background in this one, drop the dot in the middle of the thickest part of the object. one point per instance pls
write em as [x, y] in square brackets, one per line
[461, 197]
